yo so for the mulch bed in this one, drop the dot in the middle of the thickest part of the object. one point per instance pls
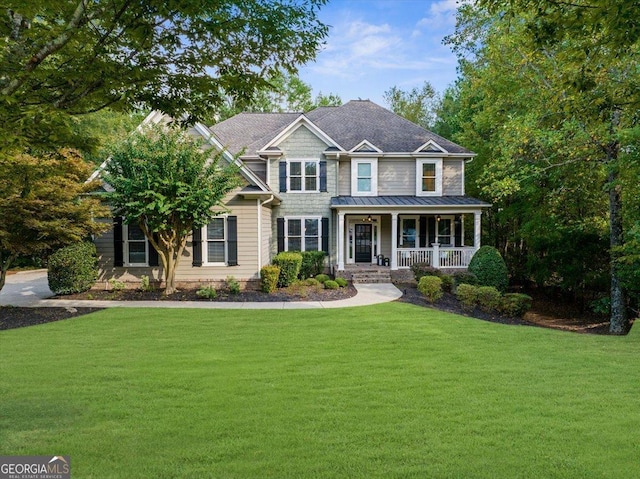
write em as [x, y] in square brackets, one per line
[545, 313]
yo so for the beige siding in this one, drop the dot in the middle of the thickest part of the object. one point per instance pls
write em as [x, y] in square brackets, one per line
[247, 269]
[267, 236]
[452, 177]
[259, 167]
[385, 232]
[344, 178]
[396, 176]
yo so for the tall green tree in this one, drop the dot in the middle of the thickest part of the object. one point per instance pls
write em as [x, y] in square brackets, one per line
[417, 105]
[44, 205]
[168, 184]
[556, 99]
[62, 58]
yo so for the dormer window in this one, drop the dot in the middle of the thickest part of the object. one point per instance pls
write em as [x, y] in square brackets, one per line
[429, 177]
[364, 177]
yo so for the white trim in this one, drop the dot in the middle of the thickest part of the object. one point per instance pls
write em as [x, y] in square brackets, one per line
[302, 231]
[205, 243]
[125, 249]
[426, 146]
[452, 230]
[374, 177]
[300, 121]
[303, 174]
[376, 236]
[438, 180]
[365, 143]
[415, 218]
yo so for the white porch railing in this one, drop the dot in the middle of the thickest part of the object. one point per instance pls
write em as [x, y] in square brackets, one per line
[438, 256]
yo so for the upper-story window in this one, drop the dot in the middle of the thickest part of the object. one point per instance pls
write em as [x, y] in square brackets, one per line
[136, 251]
[303, 175]
[429, 177]
[364, 177]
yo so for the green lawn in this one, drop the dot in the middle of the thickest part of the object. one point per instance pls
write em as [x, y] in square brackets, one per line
[385, 391]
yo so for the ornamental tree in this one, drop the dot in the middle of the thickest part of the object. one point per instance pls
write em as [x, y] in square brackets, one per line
[44, 205]
[168, 184]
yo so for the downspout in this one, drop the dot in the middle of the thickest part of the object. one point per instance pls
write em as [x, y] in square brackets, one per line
[260, 205]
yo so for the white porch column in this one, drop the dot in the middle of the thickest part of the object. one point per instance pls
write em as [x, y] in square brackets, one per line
[477, 215]
[394, 241]
[340, 233]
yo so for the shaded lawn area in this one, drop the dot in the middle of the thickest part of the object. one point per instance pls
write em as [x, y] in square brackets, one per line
[391, 390]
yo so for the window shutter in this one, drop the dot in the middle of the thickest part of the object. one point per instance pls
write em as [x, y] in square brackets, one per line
[196, 241]
[154, 260]
[323, 175]
[118, 244]
[280, 235]
[458, 231]
[232, 240]
[431, 222]
[283, 176]
[422, 232]
[325, 235]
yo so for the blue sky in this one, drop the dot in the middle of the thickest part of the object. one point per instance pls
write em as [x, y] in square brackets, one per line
[374, 45]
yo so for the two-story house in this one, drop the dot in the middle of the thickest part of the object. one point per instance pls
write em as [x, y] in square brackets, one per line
[356, 181]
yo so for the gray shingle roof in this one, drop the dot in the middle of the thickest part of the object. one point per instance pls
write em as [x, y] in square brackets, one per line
[348, 125]
[341, 201]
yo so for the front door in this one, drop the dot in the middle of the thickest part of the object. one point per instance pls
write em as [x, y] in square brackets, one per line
[363, 243]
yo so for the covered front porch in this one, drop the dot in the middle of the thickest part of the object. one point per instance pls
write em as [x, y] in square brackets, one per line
[443, 236]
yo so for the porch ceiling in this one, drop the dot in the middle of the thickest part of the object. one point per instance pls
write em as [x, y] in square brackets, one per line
[340, 202]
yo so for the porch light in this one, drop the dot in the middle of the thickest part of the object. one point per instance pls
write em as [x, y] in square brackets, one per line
[438, 218]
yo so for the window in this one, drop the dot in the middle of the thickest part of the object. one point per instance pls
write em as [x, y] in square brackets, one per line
[429, 177]
[364, 177]
[303, 234]
[303, 175]
[409, 232]
[135, 246]
[216, 242]
[445, 231]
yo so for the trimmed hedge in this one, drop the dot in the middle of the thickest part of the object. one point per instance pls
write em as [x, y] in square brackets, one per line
[447, 282]
[467, 294]
[289, 263]
[321, 278]
[515, 304]
[330, 284]
[312, 264]
[431, 288]
[269, 278]
[464, 277]
[73, 269]
[342, 282]
[490, 268]
[489, 298]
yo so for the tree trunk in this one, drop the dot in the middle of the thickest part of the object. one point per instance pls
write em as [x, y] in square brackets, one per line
[619, 321]
[4, 267]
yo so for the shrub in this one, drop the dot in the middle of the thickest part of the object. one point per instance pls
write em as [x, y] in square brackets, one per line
[424, 269]
[431, 288]
[330, 284]
[515, 304]
[312, 264]
[269, 278]
[447, 282]
[312, 282]
[289, 263]
[207, 292]
[145, 283]
[490, 268]
[342, 282]
[232, 285]
[116, 285]
[467, 294]
[73, 269]
[321, 278]
[489, 298]
[464, 277]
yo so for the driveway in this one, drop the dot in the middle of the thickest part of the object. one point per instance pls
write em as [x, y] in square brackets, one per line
[24, 288]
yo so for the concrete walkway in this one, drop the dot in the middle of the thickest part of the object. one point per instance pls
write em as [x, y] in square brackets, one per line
[31, 289]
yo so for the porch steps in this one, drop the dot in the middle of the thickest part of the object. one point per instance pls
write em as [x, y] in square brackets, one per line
[371, 276]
